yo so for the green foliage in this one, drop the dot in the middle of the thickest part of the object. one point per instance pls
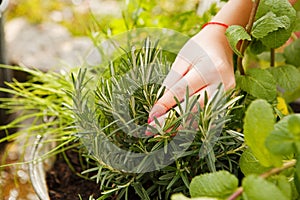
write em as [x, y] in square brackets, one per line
[290, 52]
[249, 164]
[287, 77]
[218, 185]
[280, 139]
[259, 83]
[284, 140]
[259, 122]
[41, 102]
[257, 188]
[182, 197]
[121, 114]
[269, 23]
[235, 34]
[275, 22]
[159, 14]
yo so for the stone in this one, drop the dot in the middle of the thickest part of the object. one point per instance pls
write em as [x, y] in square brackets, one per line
[47, 46]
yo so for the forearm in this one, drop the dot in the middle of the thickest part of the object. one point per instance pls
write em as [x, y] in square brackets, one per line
[293, 1]
[235, 12]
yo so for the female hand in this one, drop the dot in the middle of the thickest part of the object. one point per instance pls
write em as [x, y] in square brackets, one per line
[203, 63]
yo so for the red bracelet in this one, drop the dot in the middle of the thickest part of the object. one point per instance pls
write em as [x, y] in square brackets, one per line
[215, 23]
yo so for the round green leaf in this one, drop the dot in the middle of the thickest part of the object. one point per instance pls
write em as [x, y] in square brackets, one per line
[286, 76]
[284, 140]
[259, 123]
[257, 188]
[292, 52]
[220, 184]
[259, 83]
[250, 165]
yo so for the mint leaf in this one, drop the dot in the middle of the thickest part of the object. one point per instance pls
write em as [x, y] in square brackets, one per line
[280, 8]
[282, 141]
[234, 34]
[287, 77]
[257, 47]
[259, 122]
[257, 188]
[292, 96]
[283, 184]
[219, 184]
[249, 164]
[294, 126]
[269, 23]
[182, 197]
[297, 175]
[292, 52]
[259, 83]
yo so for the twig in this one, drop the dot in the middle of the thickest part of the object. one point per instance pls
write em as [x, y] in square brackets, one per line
[277, 170]
[245, 43]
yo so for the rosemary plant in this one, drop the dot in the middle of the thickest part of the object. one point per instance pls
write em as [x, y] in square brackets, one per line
[40, 108]
[112, 119]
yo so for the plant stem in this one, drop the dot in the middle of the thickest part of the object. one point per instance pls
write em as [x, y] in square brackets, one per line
[277, 170]
[272, 60]
[237, 193]
[245, 43]
[267, 174]
[233, 151]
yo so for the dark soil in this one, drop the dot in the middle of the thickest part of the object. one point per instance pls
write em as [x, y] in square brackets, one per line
[64, 184]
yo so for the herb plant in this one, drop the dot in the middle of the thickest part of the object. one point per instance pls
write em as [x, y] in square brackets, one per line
[112, 123]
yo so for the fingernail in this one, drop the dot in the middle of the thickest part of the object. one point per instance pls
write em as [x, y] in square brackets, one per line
[148, 133]
[150, 119]
[152, 116]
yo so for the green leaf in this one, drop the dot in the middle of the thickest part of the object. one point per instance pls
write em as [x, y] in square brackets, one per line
[283, 184]
[269, 23]
[235, 34]
[182, 197]
[140, 190]
[259, 83]
[280, 8]
[287, 77]
[292, 96]
[257, 188]
[292, 52]
[297, 22]
[259, 122]
[297, 175]
[284, 140]
[256, 47]
[250, 165]
[294, 126]
[280, 142]
[219, 184]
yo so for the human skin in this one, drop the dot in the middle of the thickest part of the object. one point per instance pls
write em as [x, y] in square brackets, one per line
[211, 40]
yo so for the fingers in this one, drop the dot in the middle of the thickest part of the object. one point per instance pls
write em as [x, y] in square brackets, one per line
[209, 91]
[190, 54]
[194, 80]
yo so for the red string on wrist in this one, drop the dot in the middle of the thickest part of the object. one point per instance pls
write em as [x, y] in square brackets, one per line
[215, 23]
